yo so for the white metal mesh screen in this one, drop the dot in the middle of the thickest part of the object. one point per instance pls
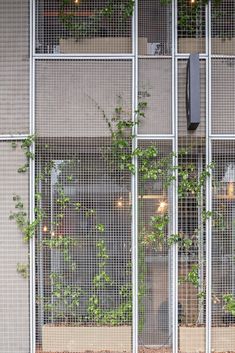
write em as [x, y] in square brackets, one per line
[84, 243]
[191, 26]
[223, 28]
[83, 256]
[78, 26]
[191, 248]
[223, 290]
[75, 98]
[14, 303]
[155, 89]
[191, 223]
[154, 26]
[222, 96]
[14, 66]
[154, 262]
[83, 194]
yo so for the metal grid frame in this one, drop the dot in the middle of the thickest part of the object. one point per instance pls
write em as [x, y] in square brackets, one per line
[134, 58]
[214, 205]
[164, 253]
[13, 249]
[171, 137]
[60, 26]
[15, 67]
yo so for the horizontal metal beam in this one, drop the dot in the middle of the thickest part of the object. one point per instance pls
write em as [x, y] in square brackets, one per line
[222, 56]
[154, 137]
[83, 56]
[222, 137]
[13, 137]
[187, 55]
[154, 57]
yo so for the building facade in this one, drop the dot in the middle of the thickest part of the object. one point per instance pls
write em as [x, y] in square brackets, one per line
[117, 170]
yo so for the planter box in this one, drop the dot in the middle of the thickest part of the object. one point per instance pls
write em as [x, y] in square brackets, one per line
[198, 45]
[191, 45]
[193, 339]
[104, 45]
[224, 46]
[84, 338]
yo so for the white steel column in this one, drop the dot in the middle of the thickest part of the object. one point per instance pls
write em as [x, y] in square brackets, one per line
[174, 298]
[32, 183]
[134, 184]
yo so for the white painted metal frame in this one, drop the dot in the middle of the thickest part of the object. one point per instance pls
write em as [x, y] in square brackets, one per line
[133, 57]
[209, 183]
[34, 57]
[154, 137]
[20, 137]
[32, 181]
[171, 137]
[174, 297]
[134, 185]
[13, 137]
[82, 57]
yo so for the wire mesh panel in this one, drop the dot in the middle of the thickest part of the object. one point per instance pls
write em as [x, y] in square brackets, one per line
[79, 26]
[182, 106]
[155, 228]
[77, 98]
[155, 87]
[192, 174]
[191, 26]
[83, 253]
[223, 290]
[84, 289]
[14, 303]
[14, 66]
[223, 27]
[222, 96]
[154, 26]
[84, 241]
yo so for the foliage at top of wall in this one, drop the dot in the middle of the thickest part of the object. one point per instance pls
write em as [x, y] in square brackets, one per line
[90, 26]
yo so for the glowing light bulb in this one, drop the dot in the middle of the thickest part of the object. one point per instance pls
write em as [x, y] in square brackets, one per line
[77, 2]
[215, 299]
[162, 207]
[230, 189]
[192, 1]
[52, 234]
[45, 229]
[120, 203]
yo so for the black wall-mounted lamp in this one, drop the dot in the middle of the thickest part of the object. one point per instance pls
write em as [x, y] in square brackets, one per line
[193, 92]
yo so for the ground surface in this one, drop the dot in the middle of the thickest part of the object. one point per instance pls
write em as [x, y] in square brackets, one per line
[141, 350]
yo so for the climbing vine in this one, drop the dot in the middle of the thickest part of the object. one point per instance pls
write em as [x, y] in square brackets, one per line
[66, 300]
[120, 155]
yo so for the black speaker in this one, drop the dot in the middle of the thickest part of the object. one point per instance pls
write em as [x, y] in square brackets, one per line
[193, 92]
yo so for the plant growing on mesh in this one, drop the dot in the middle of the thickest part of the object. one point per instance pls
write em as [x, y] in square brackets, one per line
[63, 304]
[151, 167]
[191, 16]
